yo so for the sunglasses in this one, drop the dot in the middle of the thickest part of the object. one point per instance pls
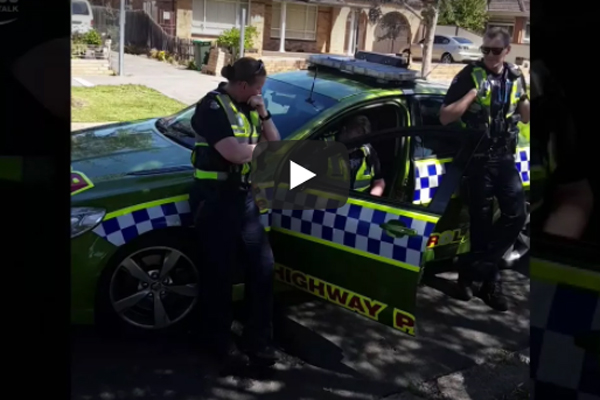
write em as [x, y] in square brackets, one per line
[494, 50]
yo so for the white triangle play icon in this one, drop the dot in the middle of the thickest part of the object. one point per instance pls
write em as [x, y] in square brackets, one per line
[299, 175]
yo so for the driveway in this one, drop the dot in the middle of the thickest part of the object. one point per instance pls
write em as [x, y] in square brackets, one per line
[176, 82]
[331, 353]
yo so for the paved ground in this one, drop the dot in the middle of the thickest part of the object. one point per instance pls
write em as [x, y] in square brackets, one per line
[176, 82]
[332, 354]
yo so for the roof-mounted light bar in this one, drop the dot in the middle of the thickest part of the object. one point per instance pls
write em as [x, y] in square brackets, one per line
[374, 65]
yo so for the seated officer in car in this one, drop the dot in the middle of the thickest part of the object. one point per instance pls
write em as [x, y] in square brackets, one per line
[364, 163]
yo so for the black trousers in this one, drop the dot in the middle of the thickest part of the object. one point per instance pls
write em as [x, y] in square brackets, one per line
[229, 232]
[488, 178]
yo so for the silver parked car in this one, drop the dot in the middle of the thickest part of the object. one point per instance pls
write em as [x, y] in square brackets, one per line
[447, 49]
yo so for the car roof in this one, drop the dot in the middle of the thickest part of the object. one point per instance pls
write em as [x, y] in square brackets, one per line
[339, 86]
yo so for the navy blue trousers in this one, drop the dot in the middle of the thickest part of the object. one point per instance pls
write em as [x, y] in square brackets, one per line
[229, 232]
[497, 177]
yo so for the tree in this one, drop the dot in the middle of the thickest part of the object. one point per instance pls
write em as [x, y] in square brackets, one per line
[392, 24]
[468, 14]
[429, 12]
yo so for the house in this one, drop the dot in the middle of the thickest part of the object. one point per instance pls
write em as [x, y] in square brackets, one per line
[309, 26]
[513, 15]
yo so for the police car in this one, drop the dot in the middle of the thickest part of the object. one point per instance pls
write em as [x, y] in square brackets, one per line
[133, 258]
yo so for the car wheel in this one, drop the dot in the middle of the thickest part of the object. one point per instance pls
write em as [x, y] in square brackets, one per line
[520, 249]
[152, 286]
[447, 58]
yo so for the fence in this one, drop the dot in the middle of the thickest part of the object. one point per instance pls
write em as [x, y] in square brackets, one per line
[142, 33]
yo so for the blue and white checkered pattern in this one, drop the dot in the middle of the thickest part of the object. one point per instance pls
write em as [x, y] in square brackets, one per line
[428, 177]
[523, 164]
[122, 229]
[429, 174]
[559, 368]
[358, 227]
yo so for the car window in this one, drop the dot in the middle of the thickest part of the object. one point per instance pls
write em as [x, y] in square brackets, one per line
[445, 41]
[439, 146]
[286, 103]
[462, 40]
[381, 117]
[289, 107]
[437, 40]
[79, 8]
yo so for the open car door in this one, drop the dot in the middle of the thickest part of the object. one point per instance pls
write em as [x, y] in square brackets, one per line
[565, 317]
[368, 255]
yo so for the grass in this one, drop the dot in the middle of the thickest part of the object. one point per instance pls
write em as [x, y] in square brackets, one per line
[119, 103]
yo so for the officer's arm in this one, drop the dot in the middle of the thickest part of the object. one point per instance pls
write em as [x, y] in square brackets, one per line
[378, 185]
[459, 97]
[210, 122]
[233, 151]
[270, 131]
[573, 206]
[524, 107]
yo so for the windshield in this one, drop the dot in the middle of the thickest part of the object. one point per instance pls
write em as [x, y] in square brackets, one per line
[286, 103]
[79, 8]
[462, 40]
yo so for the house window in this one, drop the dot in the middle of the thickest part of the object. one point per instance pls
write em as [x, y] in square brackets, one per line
[212, 17]
[300, 21]
[506, 26]
[526, 33]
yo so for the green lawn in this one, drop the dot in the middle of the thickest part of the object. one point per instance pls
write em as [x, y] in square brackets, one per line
[119, 103]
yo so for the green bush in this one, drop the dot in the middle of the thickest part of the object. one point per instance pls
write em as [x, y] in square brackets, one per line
[90, 38]
[230, 39]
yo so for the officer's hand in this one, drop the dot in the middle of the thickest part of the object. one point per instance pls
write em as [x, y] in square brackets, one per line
[257, 102]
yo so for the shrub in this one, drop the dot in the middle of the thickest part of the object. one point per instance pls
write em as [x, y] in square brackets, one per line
[92, 38]
[230, 39]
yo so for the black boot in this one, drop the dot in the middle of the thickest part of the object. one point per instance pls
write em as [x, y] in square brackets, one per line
[464, 289]
[491, 294]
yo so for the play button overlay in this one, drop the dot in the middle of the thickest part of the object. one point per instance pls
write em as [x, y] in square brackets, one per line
[300, 175]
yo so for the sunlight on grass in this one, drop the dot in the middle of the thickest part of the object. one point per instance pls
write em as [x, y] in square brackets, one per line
[119, 103]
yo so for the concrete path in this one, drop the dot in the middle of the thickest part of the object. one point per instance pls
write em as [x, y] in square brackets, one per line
[174, 81]
[330, 353]
[75, 126]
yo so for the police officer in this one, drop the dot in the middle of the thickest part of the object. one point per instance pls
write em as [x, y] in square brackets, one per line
[560, 163]
[491, 95]
[228, 122]
[365, 168]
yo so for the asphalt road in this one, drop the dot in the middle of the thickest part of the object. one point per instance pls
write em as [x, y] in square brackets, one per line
[330, 353]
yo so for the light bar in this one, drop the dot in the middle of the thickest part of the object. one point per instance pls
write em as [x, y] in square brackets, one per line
[384, 72]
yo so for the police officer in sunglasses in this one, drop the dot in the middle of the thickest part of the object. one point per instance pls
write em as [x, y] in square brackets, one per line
[490, 95]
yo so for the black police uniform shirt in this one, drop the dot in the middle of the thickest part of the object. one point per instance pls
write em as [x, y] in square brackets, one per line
[463, 83]
[211, 122]
[356, 158]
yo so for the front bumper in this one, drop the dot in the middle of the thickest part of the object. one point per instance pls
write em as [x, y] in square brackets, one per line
[466, 56]
[89, 256]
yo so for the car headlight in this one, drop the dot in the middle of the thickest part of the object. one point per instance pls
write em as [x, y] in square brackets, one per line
[84, 219]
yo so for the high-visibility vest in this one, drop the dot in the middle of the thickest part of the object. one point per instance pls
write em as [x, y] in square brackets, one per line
[364, 175]
[244, 130]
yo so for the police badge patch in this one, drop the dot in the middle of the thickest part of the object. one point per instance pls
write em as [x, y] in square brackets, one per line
[214, 105]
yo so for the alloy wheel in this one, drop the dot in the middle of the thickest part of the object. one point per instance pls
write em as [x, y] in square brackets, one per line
[154, 288]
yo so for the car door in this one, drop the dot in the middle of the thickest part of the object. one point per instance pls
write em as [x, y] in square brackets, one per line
[366, 256]
[438, 46]
[565, 314]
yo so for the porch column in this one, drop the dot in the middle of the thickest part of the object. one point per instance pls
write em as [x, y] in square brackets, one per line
[352, 33]
[282, 27]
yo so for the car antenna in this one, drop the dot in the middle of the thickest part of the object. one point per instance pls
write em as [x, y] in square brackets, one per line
[312, 89]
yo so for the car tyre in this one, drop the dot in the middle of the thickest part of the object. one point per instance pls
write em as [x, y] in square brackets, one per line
[447, 58]
[150, 287]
